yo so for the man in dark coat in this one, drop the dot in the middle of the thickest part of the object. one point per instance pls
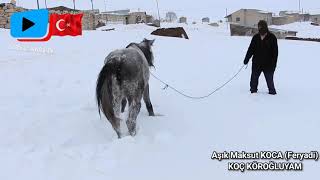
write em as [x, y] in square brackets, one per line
[264, 49]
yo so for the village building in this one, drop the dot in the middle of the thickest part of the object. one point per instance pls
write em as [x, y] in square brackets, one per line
[282, 20]
[249, 17]
[315, 18]
[137, 17]
[205, 20]
[214, 24]
[171, 17]
[240, 30]
[298, 16]
[183, 20]
[124, 17]
[114, 17]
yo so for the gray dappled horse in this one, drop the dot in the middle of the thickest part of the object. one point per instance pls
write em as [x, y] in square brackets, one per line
[125, 77]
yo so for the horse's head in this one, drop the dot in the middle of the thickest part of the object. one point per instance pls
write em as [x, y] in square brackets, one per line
[145, 46]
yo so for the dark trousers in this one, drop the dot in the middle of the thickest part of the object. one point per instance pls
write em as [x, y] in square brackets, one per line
[268, 74]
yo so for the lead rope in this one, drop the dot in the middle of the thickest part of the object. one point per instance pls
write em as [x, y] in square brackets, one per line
[198, 97]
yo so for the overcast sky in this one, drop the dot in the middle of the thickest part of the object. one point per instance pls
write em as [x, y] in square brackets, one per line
[215, 9]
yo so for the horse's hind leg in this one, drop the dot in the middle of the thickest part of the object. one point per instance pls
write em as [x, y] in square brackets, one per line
[115, 122]
[134, 109]
[116, 119]
[147, 101]
[123, 104]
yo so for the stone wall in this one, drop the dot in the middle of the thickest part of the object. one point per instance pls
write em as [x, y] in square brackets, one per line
[88, 19]
[137, 17]
[6, 10]
[111, 18]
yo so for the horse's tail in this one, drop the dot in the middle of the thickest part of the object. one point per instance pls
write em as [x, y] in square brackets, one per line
[104, 95]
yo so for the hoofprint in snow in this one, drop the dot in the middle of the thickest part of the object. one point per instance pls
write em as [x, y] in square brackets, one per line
[50, 126]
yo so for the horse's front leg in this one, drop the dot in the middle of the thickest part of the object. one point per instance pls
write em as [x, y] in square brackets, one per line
[147, 101]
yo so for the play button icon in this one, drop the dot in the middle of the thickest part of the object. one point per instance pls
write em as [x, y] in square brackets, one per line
[30, 24]
[26, 24]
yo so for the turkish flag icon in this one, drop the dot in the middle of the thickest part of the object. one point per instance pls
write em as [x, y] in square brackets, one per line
[66, 24]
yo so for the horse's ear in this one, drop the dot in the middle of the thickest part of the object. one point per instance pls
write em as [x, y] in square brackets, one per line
[151, 42]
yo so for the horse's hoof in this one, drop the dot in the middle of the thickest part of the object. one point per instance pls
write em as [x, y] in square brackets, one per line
[119, 135]
[133, 133]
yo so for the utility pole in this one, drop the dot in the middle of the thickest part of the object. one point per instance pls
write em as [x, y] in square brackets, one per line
[300, 10]
[227, 21]
[105, 5]
[105, 10]
[299, 6]
[158, 13]
[74, 5]
[92, 5]
[38, 4]
[45, 2]
[227, 14]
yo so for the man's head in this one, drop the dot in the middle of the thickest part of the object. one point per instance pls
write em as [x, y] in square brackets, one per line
[263, 27]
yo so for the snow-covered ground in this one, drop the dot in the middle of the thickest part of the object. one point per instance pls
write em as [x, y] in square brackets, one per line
[304, 29]
[50, 126]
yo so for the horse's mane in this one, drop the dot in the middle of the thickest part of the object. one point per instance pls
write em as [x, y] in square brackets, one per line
[132, 44]
[146, 51]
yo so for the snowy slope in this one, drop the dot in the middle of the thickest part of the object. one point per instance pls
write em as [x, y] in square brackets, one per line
[50, 127]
